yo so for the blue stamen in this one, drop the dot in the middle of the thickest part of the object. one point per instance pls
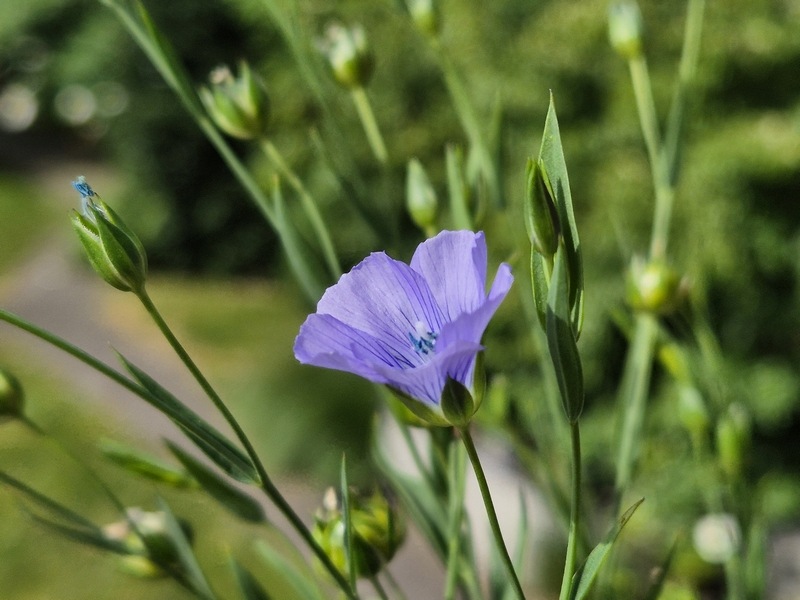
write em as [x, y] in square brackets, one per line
[424, 340]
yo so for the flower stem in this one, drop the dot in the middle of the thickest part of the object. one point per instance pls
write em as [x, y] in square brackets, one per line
[266, 483]
[309, 206]
[469, 445]
[370, 124]
[575, 515]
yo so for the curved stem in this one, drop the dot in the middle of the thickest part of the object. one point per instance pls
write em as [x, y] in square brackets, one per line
[370, 124]
[266, 483]
[573, 540]
[309, 206]
[469, 445]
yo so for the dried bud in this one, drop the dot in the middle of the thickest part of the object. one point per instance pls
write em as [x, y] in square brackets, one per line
[348, 54]
[113, 249]
[377, 532]
[625, 29]
[654, 287]
[421, 200]
[11, 395]
[425, 14]
[238, 105]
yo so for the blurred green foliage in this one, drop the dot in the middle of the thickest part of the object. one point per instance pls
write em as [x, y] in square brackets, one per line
[736, 232]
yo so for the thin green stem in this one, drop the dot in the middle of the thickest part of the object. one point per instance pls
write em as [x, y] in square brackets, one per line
[266, 483]
[378, 586]
[370, 124]
[309, 206]
[573, 540]
[469, 445]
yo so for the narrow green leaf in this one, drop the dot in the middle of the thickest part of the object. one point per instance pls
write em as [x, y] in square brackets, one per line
[190, 567]
[47, 503]
[303, 583]
[347, 518]
[137, 462]
[456, 483]
[236, 501]
[249, 586]
[656, 585]
[554, 167]
[585, 576]
[88, 537]
[540, 281]
[213, 444]
[459, 193]
[561, 342]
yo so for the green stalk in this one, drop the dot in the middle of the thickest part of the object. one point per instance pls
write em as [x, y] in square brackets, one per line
[266, 483]
[309, 206]
[469, 445]
[370, 124]
[573, 540]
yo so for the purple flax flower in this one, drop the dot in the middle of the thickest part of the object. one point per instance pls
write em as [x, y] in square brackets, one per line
[408, 326]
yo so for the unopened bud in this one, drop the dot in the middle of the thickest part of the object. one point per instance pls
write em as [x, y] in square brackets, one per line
[421, 200]
[376, 527]
[238, 105]
[540, 212]
[11, 395]
[733, 440]
[425, 14]
[654, 287]
[113, 249]
[348, 54]
[625, 29]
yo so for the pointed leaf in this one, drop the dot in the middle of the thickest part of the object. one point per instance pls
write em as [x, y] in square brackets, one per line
[277, 562]
[236, 501]
[249, 586]
[48, 504]
[88, 537]
[137, 462]
[213, 444]
[540, 281]
[584, 578]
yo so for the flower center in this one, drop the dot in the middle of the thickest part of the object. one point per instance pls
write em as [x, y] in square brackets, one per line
[422, 339]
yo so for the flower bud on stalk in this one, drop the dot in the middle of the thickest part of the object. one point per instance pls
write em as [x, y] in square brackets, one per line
[377, 532]
[114, 251]
[654, 287]
[541, 218]
[421, 200]
[625, 29]
[11, 395]
[348, 54]
[239, 106]
[425, 14]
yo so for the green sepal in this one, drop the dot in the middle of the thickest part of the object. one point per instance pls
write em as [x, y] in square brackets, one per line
[457, 403]
[236, 501]
[554, 173]
[561, 342]
[249, 587]
[587, 573]
[431, 416]
[121, 251]
[540, 284]
[139, 463]
[213, 444]
[93, 246]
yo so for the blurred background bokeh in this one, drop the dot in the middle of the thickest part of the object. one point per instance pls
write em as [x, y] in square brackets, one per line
[77, 96]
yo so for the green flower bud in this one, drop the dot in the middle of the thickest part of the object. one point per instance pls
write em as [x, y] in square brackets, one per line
[692, 411]
[733, 440]
[239, 106]
[541, 218]
[114, 251]
[425, 14]
[377, 530]
[625, 29]
[654, 287]
[348, 54]
[11, 395]
[421, 200]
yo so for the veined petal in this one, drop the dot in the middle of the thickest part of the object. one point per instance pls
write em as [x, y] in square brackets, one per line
[385, 299]
[426, 382]
[454, 265]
